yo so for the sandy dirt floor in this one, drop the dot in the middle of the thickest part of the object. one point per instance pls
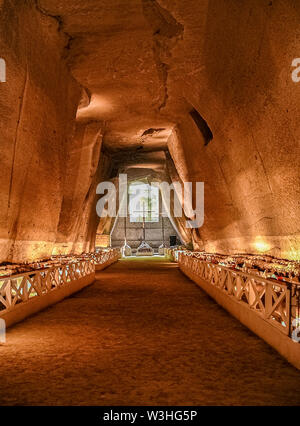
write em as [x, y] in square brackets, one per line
[142, 334]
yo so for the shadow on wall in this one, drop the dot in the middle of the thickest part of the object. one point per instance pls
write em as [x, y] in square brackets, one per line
[202, 126]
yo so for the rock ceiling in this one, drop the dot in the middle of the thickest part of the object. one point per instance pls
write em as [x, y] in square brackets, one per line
[123, 54]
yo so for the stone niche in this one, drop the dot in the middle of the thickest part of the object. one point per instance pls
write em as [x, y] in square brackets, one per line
[102, 240]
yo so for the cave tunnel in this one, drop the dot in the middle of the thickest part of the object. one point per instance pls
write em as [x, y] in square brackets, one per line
[142, 306]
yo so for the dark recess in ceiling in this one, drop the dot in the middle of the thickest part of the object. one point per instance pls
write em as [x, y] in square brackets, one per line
[202, 126]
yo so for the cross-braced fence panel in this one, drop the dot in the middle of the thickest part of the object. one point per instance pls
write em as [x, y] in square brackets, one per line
[22, 287]
[275, 302]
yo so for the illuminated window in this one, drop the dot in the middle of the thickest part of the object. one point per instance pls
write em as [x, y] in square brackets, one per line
[143, 202]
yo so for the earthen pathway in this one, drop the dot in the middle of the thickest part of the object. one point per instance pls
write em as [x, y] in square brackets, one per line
[142, 334]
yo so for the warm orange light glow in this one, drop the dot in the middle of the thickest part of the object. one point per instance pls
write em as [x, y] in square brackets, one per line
[261, 245]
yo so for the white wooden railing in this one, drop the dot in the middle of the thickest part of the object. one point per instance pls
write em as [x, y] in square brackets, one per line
[103, 256]
[20, 288]
[275, 302]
